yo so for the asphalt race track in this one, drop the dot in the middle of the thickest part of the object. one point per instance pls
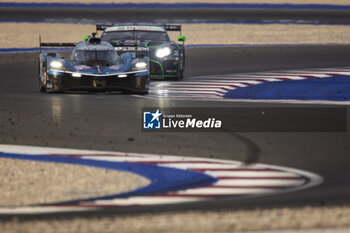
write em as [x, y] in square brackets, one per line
[175, 15]
[112, 122]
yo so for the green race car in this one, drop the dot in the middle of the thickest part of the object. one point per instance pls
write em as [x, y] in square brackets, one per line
[166, 57]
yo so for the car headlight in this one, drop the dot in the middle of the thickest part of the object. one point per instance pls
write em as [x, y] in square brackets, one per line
[76, 75]
[141, 65]
[163, 52]
[56, 65]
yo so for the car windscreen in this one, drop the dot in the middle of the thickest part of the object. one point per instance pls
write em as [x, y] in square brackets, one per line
[108, 56]
[135, 35]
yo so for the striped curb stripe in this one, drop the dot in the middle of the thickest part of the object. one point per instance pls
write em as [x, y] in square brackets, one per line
[231, 178]
[215, 87]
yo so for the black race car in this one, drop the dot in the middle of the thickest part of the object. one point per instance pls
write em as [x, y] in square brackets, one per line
[94, 65]
[167, 58]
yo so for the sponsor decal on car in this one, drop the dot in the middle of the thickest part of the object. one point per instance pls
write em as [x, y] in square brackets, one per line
[81, 67]
[127, 49]
[131, 28]
[115, 67]
[171, 71]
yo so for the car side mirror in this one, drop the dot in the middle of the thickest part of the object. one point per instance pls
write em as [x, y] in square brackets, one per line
[181, 38]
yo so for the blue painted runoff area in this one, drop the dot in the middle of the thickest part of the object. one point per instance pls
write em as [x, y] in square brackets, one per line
[177, 5]
[163, 179]
[335, 88]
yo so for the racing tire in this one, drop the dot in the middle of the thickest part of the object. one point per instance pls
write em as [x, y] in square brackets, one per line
[44, 88]
[140, 92]
[41, 87]
[179, 75]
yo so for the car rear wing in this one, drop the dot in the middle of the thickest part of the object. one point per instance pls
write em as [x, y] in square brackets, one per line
[168, 27]
[44, 44]
[102, 27]
[172, 27]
